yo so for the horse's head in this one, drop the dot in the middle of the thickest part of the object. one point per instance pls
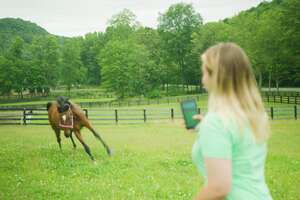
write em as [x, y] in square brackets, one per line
[63, 104]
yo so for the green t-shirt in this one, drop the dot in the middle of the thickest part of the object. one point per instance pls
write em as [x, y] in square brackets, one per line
[247, 157]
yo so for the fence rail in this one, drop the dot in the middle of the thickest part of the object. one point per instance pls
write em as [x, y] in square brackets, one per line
[282, 99]
[17, 116]
[281, 93]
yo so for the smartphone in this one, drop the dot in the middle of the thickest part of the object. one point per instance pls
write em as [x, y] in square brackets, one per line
[189, 109]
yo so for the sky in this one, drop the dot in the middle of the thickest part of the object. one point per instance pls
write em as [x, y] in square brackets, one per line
[78, 17]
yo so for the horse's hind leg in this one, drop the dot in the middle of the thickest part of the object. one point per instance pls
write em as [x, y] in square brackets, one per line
[74, 145]
[86, 148]
[101, 140]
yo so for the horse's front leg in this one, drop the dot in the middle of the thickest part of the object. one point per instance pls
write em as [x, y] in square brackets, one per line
[74, 145]
[86, 148]
[57, 133]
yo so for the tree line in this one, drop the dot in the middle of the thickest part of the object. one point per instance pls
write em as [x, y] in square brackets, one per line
[132, 60]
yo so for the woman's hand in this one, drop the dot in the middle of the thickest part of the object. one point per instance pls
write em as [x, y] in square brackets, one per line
[198, 117]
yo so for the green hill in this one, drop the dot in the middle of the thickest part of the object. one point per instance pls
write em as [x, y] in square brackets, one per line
[12, 27]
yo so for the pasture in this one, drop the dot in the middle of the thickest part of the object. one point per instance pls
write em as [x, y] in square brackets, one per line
[150, 161]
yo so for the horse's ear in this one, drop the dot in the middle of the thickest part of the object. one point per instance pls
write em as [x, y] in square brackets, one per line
[49, 105]
[62, 99]
[59, 99]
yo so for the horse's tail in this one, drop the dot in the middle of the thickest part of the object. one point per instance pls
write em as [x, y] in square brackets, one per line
[49, 104]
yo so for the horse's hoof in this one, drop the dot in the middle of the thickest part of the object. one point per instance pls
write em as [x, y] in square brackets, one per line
[110, 152]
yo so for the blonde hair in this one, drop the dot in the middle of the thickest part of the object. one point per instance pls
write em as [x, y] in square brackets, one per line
[234, 93]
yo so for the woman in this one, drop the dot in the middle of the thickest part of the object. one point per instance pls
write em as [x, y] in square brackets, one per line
[230, 149]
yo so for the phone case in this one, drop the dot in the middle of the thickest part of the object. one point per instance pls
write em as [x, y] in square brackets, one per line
[189, 109]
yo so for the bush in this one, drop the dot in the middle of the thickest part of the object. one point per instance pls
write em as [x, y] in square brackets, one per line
[154, 94]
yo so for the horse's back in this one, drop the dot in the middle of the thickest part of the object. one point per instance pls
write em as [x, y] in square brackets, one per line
[81, 118]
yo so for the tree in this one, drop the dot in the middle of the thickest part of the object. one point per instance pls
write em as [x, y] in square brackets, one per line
[127, 68]
[290, 27]
[150, 39]
[175, 27]
[6, 76]
[91, 47]
[121, 26]
[72, 71]
[17, 65]
[43, 71]
[130, 60]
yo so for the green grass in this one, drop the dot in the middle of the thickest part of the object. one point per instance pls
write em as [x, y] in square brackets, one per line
[150, 161]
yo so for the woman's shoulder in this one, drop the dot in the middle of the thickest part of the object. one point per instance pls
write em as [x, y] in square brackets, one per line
[213, 123]
[212, 117]
[220, 120]
[218, 123]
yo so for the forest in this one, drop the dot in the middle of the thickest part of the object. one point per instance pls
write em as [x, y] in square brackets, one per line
[130, 59]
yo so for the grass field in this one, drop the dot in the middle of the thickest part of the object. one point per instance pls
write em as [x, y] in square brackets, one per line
[150, 161]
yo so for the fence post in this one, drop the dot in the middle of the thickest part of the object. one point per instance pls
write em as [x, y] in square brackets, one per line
[274, 99]
[172, 113]
[288, 99]
[24, 116]
[116, 116]
[280, 99]
[295, 99]
[272, 113]
[295, 112]
[145, 116]
[199, 110]
[268, 98]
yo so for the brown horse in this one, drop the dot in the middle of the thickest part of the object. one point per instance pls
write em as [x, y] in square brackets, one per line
[60, 108]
